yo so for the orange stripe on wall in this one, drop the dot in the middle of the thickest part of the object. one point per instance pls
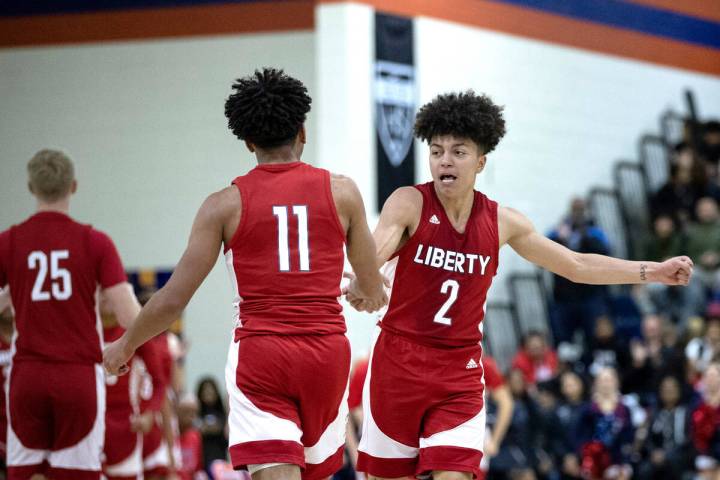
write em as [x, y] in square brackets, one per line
[157, 23]
[557, 29]
[706, 9]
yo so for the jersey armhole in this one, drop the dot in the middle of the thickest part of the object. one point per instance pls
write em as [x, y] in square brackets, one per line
[494, 206]
[241, 225]
[333, 208]
[421, 226]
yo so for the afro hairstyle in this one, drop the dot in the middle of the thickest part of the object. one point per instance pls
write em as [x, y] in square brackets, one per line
[268, 108]
[463, 115]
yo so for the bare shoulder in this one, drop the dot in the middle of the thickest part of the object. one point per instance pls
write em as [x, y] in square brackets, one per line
[408, 197]
[222, 204]
[343, 187]
[512, 223]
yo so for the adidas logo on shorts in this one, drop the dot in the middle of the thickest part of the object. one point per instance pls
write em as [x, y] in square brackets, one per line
[434, 220]
[471, 364]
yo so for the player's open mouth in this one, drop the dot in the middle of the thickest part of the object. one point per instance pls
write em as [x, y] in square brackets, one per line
[447, 178]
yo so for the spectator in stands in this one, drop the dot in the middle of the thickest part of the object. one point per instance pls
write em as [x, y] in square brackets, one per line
[516, 457]
[571, 406]
[710, 148]
[652, 361]
[705, 424]
[605, 431]
[213, 419]
[190, 439]
[605, 348]
[687, 184]
[576, 306]
[666, 240]
[666, 446]
[679, 303]
[499, 411]
[536, 359]
[704, 243]
[701, 351]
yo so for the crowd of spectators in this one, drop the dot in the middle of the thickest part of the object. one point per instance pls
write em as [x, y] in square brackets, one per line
[599, 398]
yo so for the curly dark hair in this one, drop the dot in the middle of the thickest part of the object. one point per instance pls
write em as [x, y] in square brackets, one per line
[268, 108]
[465, 115]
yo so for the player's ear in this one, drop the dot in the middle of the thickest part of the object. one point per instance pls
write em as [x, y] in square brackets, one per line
[30, 188]
[481, 163]
[250, 146]
[302, 135]
[73, 188]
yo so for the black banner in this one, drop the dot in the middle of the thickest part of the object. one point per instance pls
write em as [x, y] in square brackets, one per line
[394, 104]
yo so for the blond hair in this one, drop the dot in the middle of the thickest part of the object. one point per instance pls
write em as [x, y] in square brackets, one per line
[51, 175]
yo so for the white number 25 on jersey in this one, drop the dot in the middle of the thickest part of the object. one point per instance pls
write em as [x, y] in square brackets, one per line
[61, 282]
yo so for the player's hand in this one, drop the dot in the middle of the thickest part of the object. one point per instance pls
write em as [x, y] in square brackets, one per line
[142, 423]
[362, 301]
[115, 357]
[673, 271]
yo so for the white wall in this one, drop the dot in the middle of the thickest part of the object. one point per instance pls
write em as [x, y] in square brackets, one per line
[144, 123]
[570, 113]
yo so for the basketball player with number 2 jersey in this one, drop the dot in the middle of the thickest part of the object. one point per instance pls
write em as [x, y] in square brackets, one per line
[283, 226]
[423, 397]
[56, 390]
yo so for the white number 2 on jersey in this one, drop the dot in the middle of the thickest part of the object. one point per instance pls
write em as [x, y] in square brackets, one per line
[454, 287]
[61, 284]
[301, 212]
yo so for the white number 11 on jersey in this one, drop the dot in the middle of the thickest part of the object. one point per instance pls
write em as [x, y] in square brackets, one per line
[301, 212]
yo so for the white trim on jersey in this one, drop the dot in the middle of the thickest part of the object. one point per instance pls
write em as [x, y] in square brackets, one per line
[237, 299]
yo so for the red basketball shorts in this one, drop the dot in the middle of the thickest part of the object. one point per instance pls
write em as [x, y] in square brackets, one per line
[57, 420]
[423, 409]
[288, 401]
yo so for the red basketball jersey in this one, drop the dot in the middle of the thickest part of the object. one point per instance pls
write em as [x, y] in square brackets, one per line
[286, 258]
[442, 276]
[54, 266]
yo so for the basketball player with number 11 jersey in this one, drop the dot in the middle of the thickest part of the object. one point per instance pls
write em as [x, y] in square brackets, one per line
[283, 226]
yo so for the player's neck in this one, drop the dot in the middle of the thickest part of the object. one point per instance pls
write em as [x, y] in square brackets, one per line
[277, 155]
[457, 208]
[61, 206]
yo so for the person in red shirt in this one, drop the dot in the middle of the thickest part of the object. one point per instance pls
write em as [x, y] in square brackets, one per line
[160, 452]
[54, 267]
[501, 395]
[6, 332]
[536, 360]
[425, 410]
[283, 226]
[190, 439]
[133, 402]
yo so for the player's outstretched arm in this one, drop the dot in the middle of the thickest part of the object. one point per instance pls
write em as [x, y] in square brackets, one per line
[518, 232]
[167, 304]
[368, 285]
